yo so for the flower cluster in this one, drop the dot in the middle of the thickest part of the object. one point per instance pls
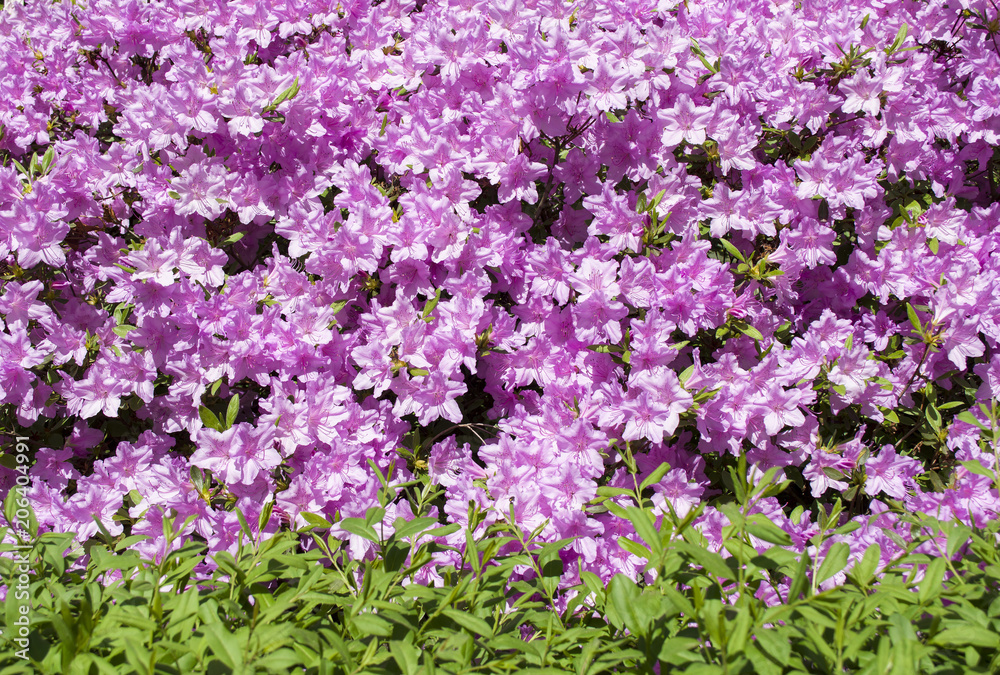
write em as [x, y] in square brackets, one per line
[265, 255]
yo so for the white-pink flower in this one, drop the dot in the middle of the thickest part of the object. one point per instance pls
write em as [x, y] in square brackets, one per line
[685, 122]
[889, 473]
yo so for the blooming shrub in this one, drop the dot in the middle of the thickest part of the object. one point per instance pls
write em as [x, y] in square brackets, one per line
[538, 261]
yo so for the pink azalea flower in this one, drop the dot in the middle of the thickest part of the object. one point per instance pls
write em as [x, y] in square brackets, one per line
[889, 473]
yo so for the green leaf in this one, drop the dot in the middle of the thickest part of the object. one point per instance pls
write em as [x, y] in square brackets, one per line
[265, 516]
[224, 645]
[469, 622]
[833, 562]
[850, 526]
[958, 536]
[930, 585]
[705, 62]
[883, 383]
[775, 645]
[776, 489]
[655, 477]
[359, 527]
[678, 650]
[287, 94]
[233, 410]
[635, 548]
[738, 487]
[969, 634]
[369, 624]
[967, 417]
[232, 239]
[733, 251]
[316, 521]
[431, 304]
[914, 319]
[750, 332]
[656, 200]
[339, 305]
[607, 491]
[640, 203]
[623, 595]
[686, 374]
[123, 330]
[898, 42]
[138, 656]
[975, 467]
[342, 649]
[799, 582]
[833, 473]
[376, 513]
[125, 544]
[712, 562]
[593, 584]
[406, 656]
[761, 527]
[209, 419]
[933, 417]
[409, 528]
[47, 160]
[10, 507]
[244, 525]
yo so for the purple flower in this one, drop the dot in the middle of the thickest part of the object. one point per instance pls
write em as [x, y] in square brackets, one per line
[862, 93]
[685, 121]
[889, 473]
[435, 397]
[96, 393]
[200, 192]
[676, 490]
[237, 455]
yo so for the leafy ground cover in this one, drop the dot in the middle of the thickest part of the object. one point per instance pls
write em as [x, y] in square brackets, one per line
[355, 335]
[273, 609]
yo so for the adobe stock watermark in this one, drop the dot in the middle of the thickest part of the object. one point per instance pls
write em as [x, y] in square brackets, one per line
[18, 584]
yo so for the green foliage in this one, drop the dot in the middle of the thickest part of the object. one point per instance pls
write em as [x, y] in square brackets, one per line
[276, 607]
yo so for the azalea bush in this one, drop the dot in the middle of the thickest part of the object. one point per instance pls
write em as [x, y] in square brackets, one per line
[527, 265]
